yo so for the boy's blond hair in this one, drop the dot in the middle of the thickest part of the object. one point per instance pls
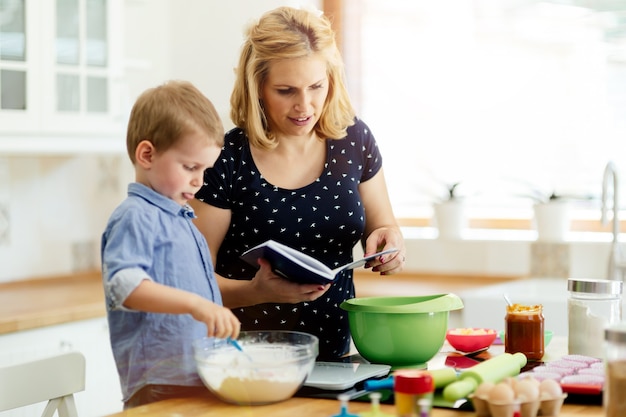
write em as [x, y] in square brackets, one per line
[161, 115]
[287, 33]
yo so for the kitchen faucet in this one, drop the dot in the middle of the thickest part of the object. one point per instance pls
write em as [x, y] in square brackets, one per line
[617, 267]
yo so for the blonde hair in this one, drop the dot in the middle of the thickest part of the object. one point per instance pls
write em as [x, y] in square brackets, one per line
[163, 114]
[287, 33]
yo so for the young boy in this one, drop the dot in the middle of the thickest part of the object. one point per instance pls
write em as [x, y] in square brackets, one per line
[160, 289]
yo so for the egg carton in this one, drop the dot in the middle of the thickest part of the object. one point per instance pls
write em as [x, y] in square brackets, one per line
[548, 404]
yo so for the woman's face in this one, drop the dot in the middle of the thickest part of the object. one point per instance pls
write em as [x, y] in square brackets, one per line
[294, 94]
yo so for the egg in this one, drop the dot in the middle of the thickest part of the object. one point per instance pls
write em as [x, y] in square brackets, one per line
[502, 393]
[526, 390]
[511, 381]
[530, 376]
[550, 389]
[483, 390]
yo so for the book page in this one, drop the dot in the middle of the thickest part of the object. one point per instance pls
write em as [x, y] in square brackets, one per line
[292, 264]
[363, 261]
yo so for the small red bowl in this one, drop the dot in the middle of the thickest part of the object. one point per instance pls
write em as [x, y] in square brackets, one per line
[470, 339]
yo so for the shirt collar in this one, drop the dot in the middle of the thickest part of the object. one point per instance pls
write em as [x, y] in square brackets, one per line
[159, 200]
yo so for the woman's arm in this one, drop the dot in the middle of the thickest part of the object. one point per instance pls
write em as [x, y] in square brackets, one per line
[265, 287]
[381, 228]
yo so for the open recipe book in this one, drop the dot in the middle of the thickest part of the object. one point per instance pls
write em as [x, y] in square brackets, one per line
[297, 266]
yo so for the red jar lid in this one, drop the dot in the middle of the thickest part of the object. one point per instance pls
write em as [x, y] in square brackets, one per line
[413, 381]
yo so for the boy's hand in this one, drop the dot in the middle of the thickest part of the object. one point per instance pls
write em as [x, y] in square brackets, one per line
[220, 321]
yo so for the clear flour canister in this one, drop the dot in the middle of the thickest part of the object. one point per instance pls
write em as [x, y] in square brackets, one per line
[615, 385]
[592, 306]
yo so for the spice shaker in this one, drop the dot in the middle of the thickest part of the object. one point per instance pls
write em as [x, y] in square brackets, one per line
[410, 386]
[524, 330]
[615, 359]
[592, 305]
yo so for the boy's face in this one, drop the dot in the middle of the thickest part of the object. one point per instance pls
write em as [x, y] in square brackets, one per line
[178, 173]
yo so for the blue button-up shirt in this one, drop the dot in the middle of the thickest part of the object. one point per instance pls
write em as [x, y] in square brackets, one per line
[151, 237]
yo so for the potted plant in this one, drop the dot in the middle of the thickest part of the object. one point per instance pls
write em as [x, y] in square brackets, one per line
[449, 213]
[552, 217]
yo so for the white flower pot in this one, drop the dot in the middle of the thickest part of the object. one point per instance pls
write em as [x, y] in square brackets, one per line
[450, 219]
[552, 221]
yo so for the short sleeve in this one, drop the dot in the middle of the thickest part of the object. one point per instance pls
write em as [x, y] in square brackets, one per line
[127, 254]
[218, 180]
[372, 158]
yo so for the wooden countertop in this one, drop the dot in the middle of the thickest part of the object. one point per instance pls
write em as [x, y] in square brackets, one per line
[48, 301]
[209, 405]
[55, 300]
[302, 407]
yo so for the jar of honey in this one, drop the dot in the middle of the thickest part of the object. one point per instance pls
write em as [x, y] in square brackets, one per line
[524, 330]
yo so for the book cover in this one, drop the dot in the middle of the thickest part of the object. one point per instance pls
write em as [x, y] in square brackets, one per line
[297, 266]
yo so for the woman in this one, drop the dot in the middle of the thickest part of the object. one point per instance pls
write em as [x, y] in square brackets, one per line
[300, 169]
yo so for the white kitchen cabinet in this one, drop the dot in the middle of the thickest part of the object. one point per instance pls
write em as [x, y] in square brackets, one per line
[61, 76]
[102, 393]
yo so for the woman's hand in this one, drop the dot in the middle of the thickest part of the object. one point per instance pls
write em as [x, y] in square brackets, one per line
[385, 238]
[381, 229]
[273, 288]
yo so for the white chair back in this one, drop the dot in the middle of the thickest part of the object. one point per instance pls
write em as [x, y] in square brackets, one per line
[54, 379]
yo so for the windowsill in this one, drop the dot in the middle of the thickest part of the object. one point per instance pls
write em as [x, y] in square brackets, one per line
[518, 235]
[501, 252]
[578, 224]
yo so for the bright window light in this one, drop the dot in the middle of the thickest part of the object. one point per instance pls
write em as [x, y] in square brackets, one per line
[505, 97]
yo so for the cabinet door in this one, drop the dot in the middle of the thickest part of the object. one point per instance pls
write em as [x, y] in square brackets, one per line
[81, 76]
[19, 57]
[61, 74]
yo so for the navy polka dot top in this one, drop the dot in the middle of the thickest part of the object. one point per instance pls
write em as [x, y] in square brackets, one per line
[324, 219]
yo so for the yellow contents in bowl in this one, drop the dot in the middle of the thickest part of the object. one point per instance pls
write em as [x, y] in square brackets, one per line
[256, 391]
[274, 374]
[472, 331]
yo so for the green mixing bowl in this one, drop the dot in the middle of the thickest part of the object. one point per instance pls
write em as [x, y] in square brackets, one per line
[404, 332]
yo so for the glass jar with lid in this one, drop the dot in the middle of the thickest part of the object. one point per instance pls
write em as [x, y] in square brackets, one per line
[524, 330]
[592, 305]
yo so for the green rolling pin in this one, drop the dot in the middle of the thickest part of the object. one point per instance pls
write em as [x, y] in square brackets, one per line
[492, 370]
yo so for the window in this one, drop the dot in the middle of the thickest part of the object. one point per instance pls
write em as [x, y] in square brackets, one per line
[505, 97]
